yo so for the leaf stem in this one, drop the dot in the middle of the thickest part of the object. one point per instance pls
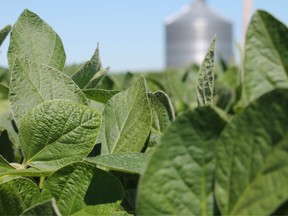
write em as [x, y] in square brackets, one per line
[41, 182]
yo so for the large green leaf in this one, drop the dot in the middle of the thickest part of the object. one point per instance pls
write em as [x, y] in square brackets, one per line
[99, 95]
[179, 177]
[266, 54]
[252, 158]
[129, 162]
[32, 84]
[79, 185]
[16, 195]
[126, 121]
[47, 208]
[58, 132]
[4, 32]
[205, 82]
[162, 110]
[33, 39]
[83, 76]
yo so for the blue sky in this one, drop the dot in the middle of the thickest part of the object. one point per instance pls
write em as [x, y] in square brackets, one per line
[130, 33]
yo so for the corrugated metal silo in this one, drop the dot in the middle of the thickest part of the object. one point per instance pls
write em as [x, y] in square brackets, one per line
[190, 31]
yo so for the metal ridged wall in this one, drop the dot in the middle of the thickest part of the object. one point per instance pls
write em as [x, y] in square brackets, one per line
[190, 31]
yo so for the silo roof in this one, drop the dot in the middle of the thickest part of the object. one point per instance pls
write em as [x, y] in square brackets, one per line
[194, 11]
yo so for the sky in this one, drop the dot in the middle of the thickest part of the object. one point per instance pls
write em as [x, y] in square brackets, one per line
[130, 33]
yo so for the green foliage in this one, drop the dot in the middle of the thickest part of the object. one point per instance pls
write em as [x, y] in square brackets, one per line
[79, 185]
[162, 110]
[15, 169]
[46, 208]
[17, 195]
[179, 176]
[4, 32]
[101, 209]
[126, 121]
[4, 91]
[127, 162]
[4, 77]
[6, 125]
[254, 164]
[266, 52]
[36, 84]
[58, 132]
[100, 95]
[181, 86]
[83, 76]
[80, 142]
[205, 82]
[35, 40]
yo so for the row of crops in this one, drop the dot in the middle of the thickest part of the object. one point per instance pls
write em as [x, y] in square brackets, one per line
[206, 140]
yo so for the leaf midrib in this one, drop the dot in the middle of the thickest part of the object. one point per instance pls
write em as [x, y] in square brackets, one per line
[29, 78]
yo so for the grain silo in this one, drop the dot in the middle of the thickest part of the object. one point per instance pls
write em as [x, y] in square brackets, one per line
[190, 31]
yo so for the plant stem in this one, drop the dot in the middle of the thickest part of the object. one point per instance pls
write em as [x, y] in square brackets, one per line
[41, 182]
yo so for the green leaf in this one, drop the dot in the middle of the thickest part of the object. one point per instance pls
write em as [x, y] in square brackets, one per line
[205, 82]
[32, 84]
[4, 32]
[79, 185]
[58, 132]
[179, 177]
[126, 121]
[47, 208]
[83, 76]
[16, 195]
[162, 110]
[129, 162]
[99, 95]
[33, 39]
[98, 78]
[252, 158]
[102, 209]
[266, 54]
[4, 91]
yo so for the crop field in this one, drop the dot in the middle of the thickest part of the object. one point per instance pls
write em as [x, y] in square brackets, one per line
[204, 140]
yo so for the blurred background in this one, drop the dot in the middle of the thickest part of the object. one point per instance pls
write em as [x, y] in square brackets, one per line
[143, 35]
